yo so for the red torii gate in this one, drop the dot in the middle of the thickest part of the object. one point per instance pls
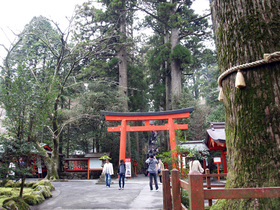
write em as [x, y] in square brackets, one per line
[124, 117]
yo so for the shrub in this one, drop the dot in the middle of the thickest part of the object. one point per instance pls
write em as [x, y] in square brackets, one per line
[185, 198]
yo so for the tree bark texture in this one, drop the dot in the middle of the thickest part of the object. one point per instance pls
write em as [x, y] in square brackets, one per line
[168, 102]
[245, 30]
[122, 56]
[176, 74]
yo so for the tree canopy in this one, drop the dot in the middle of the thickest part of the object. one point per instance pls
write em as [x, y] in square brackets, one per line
[55, 84]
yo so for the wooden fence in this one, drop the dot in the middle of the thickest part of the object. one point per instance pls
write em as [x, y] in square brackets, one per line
[197, 193]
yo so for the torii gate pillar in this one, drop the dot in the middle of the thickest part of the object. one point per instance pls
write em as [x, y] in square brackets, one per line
[124, 117]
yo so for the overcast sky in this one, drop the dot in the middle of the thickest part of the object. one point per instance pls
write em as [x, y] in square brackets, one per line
[15, 14]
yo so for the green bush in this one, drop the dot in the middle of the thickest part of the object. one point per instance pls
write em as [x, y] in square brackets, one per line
[185, 198]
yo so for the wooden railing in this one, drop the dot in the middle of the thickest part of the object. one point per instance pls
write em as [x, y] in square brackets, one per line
[75, 164]
[197, 193]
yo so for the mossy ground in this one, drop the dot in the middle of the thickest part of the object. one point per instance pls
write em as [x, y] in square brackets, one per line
[8, 192]
[33, 193]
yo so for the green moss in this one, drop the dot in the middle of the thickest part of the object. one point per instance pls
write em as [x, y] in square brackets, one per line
[33, 199]
[12, 192]
[9, 183]
[45, 190]
[39, 195]
[60, 180]
[15, 203]
[44, 183]
[5, 192]
[29, 184]
[17, 184]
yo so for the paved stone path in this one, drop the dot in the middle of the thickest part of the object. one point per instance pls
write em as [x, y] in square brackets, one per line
[85, 194]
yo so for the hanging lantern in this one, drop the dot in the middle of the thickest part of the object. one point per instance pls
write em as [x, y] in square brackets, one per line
[239, 80]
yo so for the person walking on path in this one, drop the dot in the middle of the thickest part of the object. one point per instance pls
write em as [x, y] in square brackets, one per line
[121, 172]
[160, 168]
[152, 169]
[195, 165]
[108, 171]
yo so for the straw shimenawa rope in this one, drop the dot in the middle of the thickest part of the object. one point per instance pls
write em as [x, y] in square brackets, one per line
[268, 58]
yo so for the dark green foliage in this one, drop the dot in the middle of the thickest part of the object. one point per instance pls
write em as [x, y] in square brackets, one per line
[217, 115]
[68, 95]
[185, 198]
[181, 54]
[137, 88]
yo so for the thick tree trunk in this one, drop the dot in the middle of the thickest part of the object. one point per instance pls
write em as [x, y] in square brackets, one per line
[54, 163]
[176, 74]
[245, 30]
[68, 141]
[51, 166]
[122, 56]
[168, 102]
[168, 91]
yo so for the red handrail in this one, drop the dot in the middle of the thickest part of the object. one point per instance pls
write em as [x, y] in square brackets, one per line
[197, 193]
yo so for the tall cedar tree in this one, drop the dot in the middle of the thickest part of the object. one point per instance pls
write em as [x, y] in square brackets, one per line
[175, 21]
[245, 30]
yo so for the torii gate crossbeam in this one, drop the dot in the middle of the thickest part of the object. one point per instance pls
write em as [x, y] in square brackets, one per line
[124, 117]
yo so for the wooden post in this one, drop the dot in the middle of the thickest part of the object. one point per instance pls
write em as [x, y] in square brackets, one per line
[167, 203]
[176, 190]
[208, 182]
[88, 169]
[196, 194]
[172, 139]
[224, 161]
[218, 172]
[123, 140]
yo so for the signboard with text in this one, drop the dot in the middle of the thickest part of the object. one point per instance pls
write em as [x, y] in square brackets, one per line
[128, 167]
[217, 160]
[95, 163]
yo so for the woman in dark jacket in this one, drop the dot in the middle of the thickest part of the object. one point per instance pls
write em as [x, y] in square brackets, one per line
[121, 172]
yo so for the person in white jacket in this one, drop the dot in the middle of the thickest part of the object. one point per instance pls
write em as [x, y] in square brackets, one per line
[108, 171]
[195, 165]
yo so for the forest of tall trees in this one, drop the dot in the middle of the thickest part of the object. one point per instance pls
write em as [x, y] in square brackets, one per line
[55, 83]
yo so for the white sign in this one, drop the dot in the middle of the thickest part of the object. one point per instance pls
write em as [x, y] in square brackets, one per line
[217, 159]
[95, 163]
[128, 167]
[39, 164]
[39, 169]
